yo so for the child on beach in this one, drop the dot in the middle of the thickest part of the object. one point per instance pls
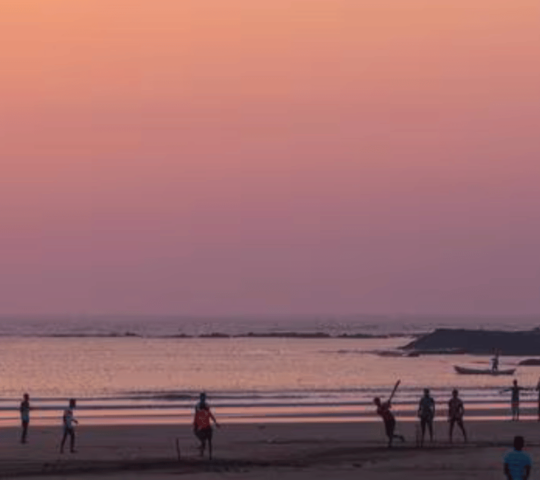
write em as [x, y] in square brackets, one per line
[24, 409]
[383, 410]
[202, 425]
[456, 410]
[69, 422]
[426, 413]
[517, 463]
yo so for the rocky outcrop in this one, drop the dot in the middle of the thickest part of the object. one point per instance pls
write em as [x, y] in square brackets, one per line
[480, 342]
[530, 362]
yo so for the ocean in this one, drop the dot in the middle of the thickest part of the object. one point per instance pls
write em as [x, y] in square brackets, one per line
[125, 370]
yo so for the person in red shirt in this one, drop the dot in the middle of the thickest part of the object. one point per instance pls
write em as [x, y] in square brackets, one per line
[383, 410]
[202, 425]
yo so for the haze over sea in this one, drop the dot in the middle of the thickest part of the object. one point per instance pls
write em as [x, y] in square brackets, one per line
[150, 369]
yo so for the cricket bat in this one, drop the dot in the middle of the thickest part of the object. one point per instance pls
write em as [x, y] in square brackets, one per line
[395, 390]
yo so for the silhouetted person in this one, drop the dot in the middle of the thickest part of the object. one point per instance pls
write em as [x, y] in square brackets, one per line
[538, 390]
[383, 410]
[495, 362]
[202, 425]
[456, 411]
[426, 413]
[515, 389]
[25, 416]
[69, 422]
[517, 463]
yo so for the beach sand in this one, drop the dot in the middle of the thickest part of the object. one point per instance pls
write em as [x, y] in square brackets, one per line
[284, 451]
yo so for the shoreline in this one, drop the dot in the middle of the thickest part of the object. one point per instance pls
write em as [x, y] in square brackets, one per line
[502, 414]
[499, 415]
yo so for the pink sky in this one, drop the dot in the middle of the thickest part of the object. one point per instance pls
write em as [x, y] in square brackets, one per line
[272, 156]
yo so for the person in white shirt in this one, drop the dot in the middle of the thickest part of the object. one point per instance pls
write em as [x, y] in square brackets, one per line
[69, 421]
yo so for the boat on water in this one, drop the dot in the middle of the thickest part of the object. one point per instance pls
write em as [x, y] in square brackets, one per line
[483, 371]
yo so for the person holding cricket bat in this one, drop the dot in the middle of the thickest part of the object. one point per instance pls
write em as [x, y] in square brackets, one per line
[384, 411]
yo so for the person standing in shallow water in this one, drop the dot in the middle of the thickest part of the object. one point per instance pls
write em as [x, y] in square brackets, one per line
[456, 411]
[24, 409]
[202, 425]
[426, 413]
[383, 410]
[69, 426]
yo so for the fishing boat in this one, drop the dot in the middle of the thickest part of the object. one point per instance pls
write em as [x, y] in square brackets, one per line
[483, 371]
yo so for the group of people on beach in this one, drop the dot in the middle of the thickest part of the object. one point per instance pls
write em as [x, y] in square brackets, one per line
[426, 414]
[517, 463]
[456, 412]
[68, 421]
[202, 423]
[204, 419]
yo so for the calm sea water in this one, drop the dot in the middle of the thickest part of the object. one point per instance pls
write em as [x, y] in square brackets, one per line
[152, 376]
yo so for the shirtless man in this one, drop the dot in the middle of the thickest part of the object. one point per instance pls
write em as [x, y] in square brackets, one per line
[456, 411]
[426, 413]
[383, 410]
[24, 409]
[516, 390]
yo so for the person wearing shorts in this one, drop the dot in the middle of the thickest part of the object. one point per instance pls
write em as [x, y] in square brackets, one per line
[24, 410]
[202, 425]
[426, 413]
[516, 390]
[383, 410]
[69, 422]
[456, 411]
[517, 463]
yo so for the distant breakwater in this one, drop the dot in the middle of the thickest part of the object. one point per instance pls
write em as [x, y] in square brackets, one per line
[219, 335]
[479, 342]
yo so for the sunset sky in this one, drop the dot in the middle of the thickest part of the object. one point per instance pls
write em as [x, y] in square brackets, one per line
[269, 156]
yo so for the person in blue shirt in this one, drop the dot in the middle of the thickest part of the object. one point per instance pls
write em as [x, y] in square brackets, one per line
[517, 463]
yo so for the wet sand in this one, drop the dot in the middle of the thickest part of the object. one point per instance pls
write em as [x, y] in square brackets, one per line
[310, 451]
